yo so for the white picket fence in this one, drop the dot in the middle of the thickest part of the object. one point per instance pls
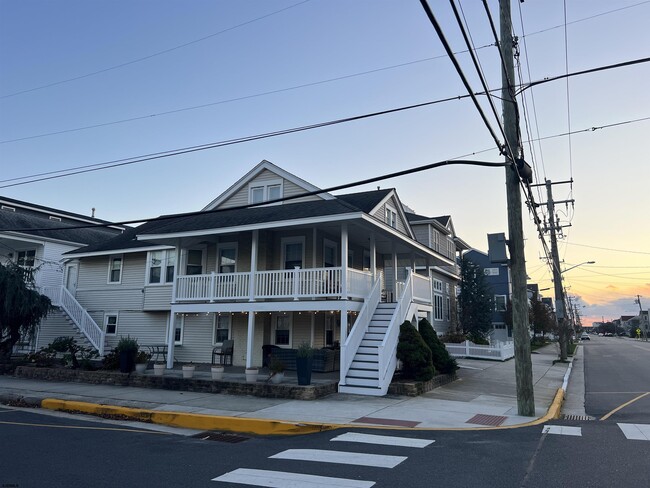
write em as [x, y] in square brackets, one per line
[500, 351]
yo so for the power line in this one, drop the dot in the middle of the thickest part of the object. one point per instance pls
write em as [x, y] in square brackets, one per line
[606, 248]
[344, 186]
[230, 100]
[159, 53]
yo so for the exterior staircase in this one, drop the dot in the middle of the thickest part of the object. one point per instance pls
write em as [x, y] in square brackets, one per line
[362, 377]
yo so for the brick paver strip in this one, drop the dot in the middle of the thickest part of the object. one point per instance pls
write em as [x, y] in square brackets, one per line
[484, 419]
[378, 421]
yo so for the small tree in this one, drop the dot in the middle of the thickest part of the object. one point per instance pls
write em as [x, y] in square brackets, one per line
[475, 300]
[414, 354]
[21, 308]
[440, 357]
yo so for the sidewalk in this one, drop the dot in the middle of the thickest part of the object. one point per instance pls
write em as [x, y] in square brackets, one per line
[484, 395]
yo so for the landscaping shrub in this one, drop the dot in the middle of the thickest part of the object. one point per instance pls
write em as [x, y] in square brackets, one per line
[414, 354]
[74, 355]
[442, 361]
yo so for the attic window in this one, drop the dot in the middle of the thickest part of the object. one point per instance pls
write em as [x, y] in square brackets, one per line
[263, 192]
[391, 216]
[58, 219]
[10, 209]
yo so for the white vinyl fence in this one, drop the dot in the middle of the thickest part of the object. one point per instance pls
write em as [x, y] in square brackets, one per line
[499, 351]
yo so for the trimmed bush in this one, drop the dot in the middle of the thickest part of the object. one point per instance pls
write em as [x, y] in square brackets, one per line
[414, 354]
[442, 361]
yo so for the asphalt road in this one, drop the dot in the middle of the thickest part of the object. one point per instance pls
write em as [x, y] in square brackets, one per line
[617, 371]
[39, 450]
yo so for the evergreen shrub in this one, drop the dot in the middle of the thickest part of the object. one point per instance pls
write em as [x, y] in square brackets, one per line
[442, 360]
[414, 354]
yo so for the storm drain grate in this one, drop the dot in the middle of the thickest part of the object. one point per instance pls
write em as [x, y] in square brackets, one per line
[577, 417]
[221, 437]
[483, 419]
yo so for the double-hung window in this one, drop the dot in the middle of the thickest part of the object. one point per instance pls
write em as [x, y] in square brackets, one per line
[293, 252]
[110, 324]
[500, 303]
[161, 266]
[194, 264]
[391, 216]
[115, 269]
[282, 330]
[437, 300]
[222, 324]
[227, 258]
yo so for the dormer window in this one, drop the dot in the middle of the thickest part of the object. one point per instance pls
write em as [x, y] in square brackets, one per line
[263, 192]
[391, 216]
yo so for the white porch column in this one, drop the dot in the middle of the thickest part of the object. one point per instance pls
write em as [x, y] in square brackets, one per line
[313, 329]
[373, 257]
[177, 267]
[344, 322]
[344, 262]
[170, 340]
[394, 263]
[249, 339]
[251, 284]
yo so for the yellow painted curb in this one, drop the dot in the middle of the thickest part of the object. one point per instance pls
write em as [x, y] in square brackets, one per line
[191, 420]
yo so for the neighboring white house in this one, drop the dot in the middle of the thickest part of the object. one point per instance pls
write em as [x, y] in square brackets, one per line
[41, 236]
[318, 269]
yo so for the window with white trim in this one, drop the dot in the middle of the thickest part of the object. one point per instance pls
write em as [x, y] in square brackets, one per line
[26, 259]
[227, 257]
[281, 330]
[447, 288]
[263, 192]
[437, 285]
[329, 253]
[160, 266]
[437, 307]
[331, 322]
[293, 252]
[222, 324]
[448, 310]
[110, 324]
[115, 269]
[500, 303]
[179, 325]
[194, 262]
[391, 216]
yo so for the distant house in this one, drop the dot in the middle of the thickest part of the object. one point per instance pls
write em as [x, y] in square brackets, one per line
[36, 238]
[497, 276]
[439, 234]
[332, 271]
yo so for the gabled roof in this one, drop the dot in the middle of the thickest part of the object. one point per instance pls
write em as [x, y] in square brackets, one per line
[32, 207]
[443, 224]
[264, 165]
[27, 221]
[365, 201]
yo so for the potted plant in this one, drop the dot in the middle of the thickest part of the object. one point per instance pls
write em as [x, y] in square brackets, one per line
[159, 368]
[141, 361]
[304, 357]
[127, 348]
[251, 375]
[276, 367]
[217, 372]
[188, 370]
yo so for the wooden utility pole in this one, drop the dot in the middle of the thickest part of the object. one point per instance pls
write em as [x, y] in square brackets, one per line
[523, 363]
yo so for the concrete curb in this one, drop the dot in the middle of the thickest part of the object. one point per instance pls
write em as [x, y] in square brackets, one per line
[190, 420]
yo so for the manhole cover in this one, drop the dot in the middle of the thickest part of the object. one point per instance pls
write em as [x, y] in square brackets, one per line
[221, 437]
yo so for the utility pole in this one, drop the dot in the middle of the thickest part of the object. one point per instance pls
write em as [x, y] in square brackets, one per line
[644, 318]
[523, 363]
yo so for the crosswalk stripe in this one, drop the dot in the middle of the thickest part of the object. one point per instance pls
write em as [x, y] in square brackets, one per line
[384, 440]
[279, 479]
[340, 457]
[562, 430]
[636, 432]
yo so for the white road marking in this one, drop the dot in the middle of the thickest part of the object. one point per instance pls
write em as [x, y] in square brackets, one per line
[562, 430]
[339, 457]
[636, 432]
[384, 440]
[279, 479]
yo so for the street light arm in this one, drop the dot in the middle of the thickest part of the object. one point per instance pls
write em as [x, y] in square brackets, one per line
[586, 262]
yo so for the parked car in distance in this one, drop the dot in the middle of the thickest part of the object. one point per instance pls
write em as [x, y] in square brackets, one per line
[585, 337]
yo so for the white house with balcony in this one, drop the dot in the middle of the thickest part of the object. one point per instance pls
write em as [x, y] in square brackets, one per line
[35, 238]
[323, 269]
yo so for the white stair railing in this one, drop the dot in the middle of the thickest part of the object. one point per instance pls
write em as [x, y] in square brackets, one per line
[351, 345]
[62, 298]
[388, 347]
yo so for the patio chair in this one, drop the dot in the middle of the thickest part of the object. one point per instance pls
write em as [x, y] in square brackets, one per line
[223, 353]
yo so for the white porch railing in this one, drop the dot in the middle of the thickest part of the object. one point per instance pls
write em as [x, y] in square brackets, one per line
[288, 284]
[421, 288]
[388, 347]
[62, 298]
[500, 351]
[351, 345]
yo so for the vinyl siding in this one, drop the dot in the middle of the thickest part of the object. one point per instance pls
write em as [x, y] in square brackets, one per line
[380, 214]
[55, 325]
[158, 297]
[146, 327]
[51, 274]
[422, 234]
[288, 189]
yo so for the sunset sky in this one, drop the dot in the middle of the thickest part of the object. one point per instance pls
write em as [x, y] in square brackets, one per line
[83, 83]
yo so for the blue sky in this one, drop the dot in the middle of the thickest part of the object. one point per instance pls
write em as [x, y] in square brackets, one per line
[247, 48]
